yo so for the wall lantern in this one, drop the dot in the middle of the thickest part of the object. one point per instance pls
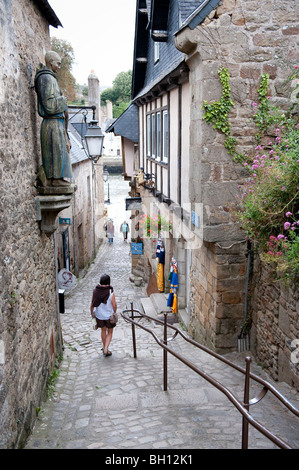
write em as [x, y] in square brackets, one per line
[94, 139]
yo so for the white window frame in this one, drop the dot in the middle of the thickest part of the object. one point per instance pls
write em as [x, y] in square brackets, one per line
[165, 133]
[148, 135]
[158, 135]
[153, 136]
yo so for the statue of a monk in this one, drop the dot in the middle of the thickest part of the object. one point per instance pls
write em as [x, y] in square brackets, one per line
[52, 107]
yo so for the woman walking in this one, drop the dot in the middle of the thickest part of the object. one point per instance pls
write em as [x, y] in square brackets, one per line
[102, 306]
[110, 231]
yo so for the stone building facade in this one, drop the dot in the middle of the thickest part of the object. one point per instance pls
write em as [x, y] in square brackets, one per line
[29, 324]
[81, 228]
[196, 181]
[248, 38]
[274, 332]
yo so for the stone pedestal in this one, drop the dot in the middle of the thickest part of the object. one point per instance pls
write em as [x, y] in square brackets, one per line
[49, 202]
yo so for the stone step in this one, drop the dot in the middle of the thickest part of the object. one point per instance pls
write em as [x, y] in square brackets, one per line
[173, 398]
[148, 307]
[138, 271]
[183, 315]
[160, 302]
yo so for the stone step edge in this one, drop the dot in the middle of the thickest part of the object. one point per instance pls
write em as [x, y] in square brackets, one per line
[159, 301]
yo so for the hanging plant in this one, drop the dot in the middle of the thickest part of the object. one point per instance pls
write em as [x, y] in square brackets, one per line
[268, 204]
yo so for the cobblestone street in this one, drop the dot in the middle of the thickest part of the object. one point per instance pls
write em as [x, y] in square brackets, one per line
[118, 402]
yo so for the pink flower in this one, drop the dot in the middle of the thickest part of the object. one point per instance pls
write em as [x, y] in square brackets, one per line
[287, 225]
[288, 214]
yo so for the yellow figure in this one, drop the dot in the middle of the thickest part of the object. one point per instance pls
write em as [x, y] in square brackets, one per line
[160, 255]
[160, 277]
[175, 304]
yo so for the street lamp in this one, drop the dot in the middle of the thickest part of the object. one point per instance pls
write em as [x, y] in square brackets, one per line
[106, 179]
[94, 138]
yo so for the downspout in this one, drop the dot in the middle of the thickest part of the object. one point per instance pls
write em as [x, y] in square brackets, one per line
[243, 338]
[59, 331]
[93, 210]
[180, 146]
[74, 237]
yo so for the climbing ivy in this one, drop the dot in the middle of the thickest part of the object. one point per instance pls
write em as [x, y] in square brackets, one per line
[262, 117]
[265, 114]
[216, 113]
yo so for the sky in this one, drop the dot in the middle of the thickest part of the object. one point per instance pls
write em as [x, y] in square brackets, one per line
[101, 33]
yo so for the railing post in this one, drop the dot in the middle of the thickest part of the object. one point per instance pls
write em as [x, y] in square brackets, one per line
[245, 423]
[165, 353]
[133, 332]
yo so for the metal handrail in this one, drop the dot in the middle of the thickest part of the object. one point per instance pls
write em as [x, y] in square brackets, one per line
[243, 408]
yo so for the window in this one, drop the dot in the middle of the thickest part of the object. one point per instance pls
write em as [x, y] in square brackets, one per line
[165, 136]
[148, 135]
[153, 135]
[157, 135]
[158, 148]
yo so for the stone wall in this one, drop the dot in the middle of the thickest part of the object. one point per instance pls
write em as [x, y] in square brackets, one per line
[29, 327]
[86, 231]
[274, 308]
[217, 295]
[249, 38]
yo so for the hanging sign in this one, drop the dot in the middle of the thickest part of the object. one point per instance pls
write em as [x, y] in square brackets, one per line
[133, 203]
[136, 248]
[64, 221]
[195, 219]
[66, 279]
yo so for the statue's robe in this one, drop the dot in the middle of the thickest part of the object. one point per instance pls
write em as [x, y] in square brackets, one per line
[52, 107]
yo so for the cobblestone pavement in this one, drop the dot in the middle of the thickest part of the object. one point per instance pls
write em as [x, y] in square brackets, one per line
[118, 402]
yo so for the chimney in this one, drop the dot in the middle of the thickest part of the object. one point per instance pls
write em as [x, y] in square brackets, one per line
[94, 98]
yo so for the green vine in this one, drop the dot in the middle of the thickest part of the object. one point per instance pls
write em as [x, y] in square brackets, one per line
[216, 113]
[262, 117]
[265, 113]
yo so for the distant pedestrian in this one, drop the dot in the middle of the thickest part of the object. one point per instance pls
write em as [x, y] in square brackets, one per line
[110, 231]
[124, 228]
[103, 305]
